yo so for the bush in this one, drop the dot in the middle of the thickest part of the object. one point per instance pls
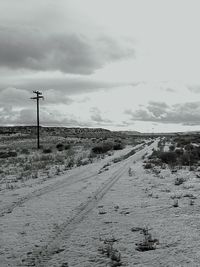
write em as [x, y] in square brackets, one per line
[60, 147]
[118, 146]
[148, 243]
[148, 166]
[47, 150]
[68, 146]
[179, 152]
[189, 147]
[70, 164]
[155, 154]
[172, 148]
[7, 154]
[185, 159]
[25, 151]
[168, 157]
[179, 181]
[102, 148]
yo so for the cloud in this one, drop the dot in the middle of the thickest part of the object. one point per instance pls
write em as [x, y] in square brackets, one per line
[65, 84]
[27, 116]
[97, 117]
[157, 108]
[194, 88]
[31, 49]
[184, 113]
[21, 98]
[170, 90]
[14, 97]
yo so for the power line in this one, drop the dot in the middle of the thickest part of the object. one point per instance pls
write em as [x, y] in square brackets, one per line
[37, 97]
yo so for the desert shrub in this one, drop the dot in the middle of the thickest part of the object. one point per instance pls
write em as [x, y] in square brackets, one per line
[92, 155]
[155, 161]
[7, 154]
[85, 162]
[178, 144]
[118, 146]
[68, 146]
[59, 158]
[175, 204]
[107, 248]
[148, 242]
[70, 164]
[154, 154]
[45, 158]
[148, 166]
[57, 170]
[79, 162]
[102, 148]
[117, 160]
[60, 147]
[47, 150]
[182, 141]
[25, 151]
[184, 159]
[193, 157]
[168, 157]
[189, 147]
[27, 167]
[171, 148]
[179, 181]
[129, 154]
[179, 152]
[34, 175]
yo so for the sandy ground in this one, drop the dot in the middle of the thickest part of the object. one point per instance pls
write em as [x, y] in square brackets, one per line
[65, 220]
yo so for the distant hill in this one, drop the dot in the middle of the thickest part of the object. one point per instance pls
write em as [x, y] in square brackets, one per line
[60, 131]
[129, 132]
[81, 132]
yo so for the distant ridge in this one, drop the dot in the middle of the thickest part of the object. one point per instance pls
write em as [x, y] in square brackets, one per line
[129, 132]
[61, 131]
[81, 132]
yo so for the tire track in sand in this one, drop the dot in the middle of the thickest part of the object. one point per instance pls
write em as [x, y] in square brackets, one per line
[40, 256]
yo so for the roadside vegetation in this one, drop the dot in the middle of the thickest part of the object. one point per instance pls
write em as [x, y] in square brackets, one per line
[180, 151]
[20, 161]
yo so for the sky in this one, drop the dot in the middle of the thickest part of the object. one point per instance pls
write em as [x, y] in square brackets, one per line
[114, 64]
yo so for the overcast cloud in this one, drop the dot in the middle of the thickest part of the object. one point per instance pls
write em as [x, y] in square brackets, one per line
[22, 48]
[130, 65]
[185, 114]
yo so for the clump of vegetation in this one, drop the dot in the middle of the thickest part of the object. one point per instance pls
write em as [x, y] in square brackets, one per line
[148, 166]
[102, 148]
[57, 170]
[107, 248]
[175, 204]
[105, 146]
[8, 154]
[60, 147]
[148, 242]
[130, 172]
[191, 202]
[25, 151]
[172, 148]
[70, 163]
[47, 150]
[179, 181]
[118, 146]
[68, 146]
[168, 157]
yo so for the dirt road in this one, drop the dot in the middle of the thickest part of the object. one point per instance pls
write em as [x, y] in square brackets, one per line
[36, 227]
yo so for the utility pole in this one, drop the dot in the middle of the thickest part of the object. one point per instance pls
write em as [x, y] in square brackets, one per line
[37, 97]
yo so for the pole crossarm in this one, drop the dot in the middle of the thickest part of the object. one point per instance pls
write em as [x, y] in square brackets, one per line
[36, 97]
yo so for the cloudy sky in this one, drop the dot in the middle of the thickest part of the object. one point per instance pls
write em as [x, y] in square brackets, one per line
[116, 64]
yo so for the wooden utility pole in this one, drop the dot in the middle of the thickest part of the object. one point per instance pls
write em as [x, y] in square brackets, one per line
[37, 97]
